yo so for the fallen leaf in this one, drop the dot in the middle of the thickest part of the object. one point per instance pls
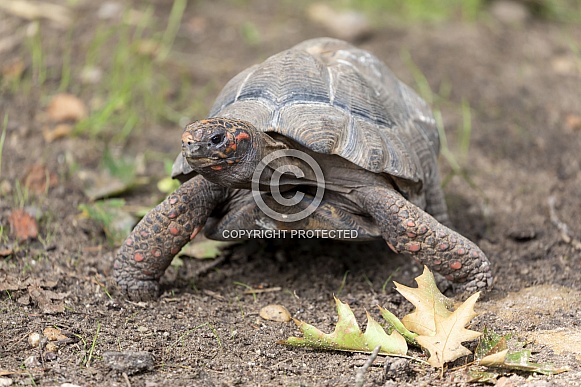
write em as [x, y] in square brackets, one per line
[197, 25]
[205, 248]
[520, 360]
[48, 301]
[493, 351]
[490, 344]
[446, 344]
[13, 69]
[24, 299]
[6, 251]
[22, 225]
[347, 335]
[9, 282]
[396, 324]
[477, 375]
[39, 179]
[66, 107]
[429, 303]
[59, 131]
[573, 122]
[54, 334]
[276, 313]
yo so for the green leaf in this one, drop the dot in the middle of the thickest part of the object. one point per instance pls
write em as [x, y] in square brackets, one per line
[494, 351]
[490, 344]
[167, 185]
[480, 376]
[205, 248]
[347, 335]
[396, 324]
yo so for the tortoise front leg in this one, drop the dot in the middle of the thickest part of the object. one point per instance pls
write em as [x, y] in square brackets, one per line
[408, 229]
[160, 235]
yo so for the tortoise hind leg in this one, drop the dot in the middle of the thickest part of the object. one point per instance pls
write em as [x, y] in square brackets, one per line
[160, 235]
[407, 228]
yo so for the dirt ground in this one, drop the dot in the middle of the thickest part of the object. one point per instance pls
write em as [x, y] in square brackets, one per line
[520, 202]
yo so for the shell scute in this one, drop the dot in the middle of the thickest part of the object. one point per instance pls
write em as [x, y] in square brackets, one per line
[333, 98]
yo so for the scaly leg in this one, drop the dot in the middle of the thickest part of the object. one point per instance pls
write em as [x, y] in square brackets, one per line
[407, 228]
[160, 235]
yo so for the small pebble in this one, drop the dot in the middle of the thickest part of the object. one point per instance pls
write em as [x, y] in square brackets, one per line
[110, 10]
[31, 362]
[522, 233]
[34, 339]
[130, 362]
[91, 75]
[510, 11]
[5, 187]
[5, 382]
[51, 347]
[343, 24]
[275, 312]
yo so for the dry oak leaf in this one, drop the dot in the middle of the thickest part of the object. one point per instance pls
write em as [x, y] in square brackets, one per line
[429, 303]
[66, 107]
[22, 225]
[446, 344]
[48, 301]
[39, 179]
[58, 132]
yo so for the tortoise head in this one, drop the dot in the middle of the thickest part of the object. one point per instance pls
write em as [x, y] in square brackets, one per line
[223, 150]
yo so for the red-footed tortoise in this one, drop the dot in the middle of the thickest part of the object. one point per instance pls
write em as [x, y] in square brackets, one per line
[372, 139]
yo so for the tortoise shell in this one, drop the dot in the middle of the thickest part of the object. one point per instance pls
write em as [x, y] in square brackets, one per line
[334, 98]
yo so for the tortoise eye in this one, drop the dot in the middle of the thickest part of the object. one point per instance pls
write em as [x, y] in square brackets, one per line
[217, 139]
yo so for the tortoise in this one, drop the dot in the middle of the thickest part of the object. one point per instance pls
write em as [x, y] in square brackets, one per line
[322, 109]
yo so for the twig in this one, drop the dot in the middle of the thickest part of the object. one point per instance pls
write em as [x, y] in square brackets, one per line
[209, 266]
[360, 373]
[563, 228]
[126, 379]
[265, 290]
